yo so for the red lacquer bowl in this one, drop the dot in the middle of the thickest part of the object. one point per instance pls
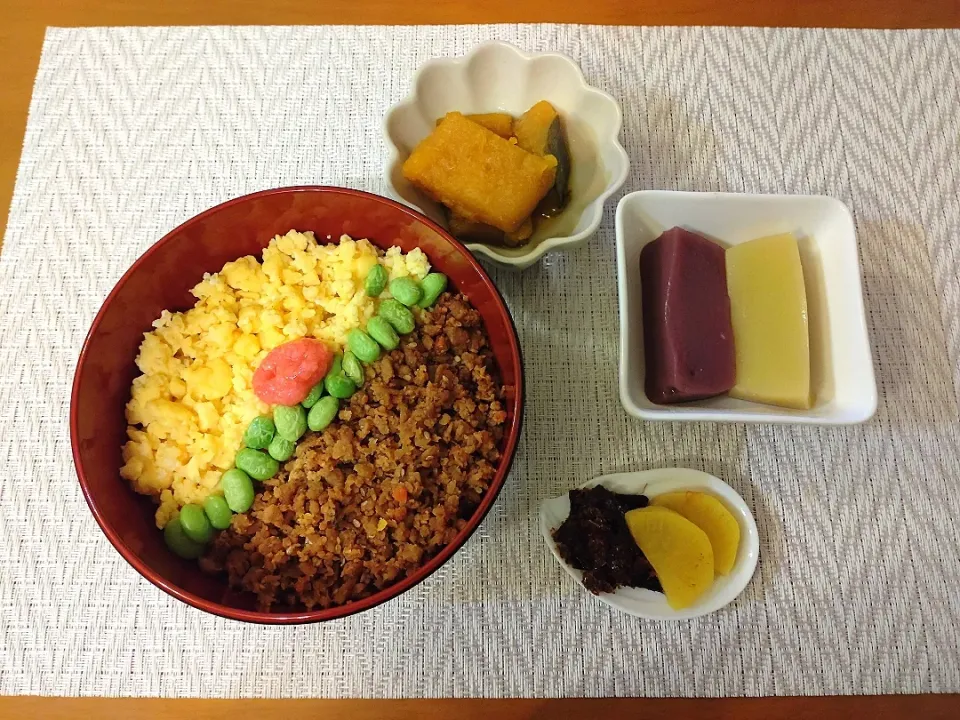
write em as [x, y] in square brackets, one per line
[161, 279]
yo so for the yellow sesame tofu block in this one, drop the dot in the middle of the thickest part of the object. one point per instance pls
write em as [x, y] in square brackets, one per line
[768, 306]
[479, 175]
[189, 408]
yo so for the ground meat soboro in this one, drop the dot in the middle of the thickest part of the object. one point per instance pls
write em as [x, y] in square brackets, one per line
[388, 484]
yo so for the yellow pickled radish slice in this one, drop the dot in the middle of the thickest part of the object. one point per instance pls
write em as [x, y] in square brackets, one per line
[678, 550]
[710, 515]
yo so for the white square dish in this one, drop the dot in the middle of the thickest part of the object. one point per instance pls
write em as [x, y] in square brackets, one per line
[841, 363]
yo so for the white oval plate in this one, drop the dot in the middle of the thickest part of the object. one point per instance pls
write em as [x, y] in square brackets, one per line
[646, 603]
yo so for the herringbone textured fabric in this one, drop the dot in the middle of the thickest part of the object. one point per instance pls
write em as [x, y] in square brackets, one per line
[132, 131]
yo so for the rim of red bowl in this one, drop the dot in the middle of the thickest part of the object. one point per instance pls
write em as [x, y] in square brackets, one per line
[388, 593]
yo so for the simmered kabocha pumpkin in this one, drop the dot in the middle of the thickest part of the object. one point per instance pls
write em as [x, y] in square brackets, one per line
[482, 168]
[471, 231]
[479, 175]
[540, 131]
[521, 234]
[497, 122]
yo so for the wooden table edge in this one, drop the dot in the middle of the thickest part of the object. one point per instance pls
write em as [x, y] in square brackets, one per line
[876, 707]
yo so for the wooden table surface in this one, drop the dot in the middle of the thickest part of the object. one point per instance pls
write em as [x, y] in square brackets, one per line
[22, 24]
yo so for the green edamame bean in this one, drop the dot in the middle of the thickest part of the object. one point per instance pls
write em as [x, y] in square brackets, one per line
[291, 421]
[195, 524]
[323, 413]
[339, 386]
[406, 290]
[383, 332]
[237, 489]
[218, 512]
[376, 280]
[257, 464]
[336, 367]
[432, 285]
[352, 368]
[342, 386]
[363, 346]
[259, 433]
[178, 541]
[282, 449]
[397, 315]
[315, 394]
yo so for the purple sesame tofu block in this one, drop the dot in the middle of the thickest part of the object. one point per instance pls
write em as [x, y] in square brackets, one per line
[687, 332]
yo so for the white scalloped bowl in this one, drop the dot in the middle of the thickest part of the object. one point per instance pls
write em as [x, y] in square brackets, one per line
[495, 77]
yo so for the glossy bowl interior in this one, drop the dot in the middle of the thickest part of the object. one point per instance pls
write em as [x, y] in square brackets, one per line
[161, 279]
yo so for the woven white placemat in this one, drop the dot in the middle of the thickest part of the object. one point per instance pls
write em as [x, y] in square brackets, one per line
[132, 131]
